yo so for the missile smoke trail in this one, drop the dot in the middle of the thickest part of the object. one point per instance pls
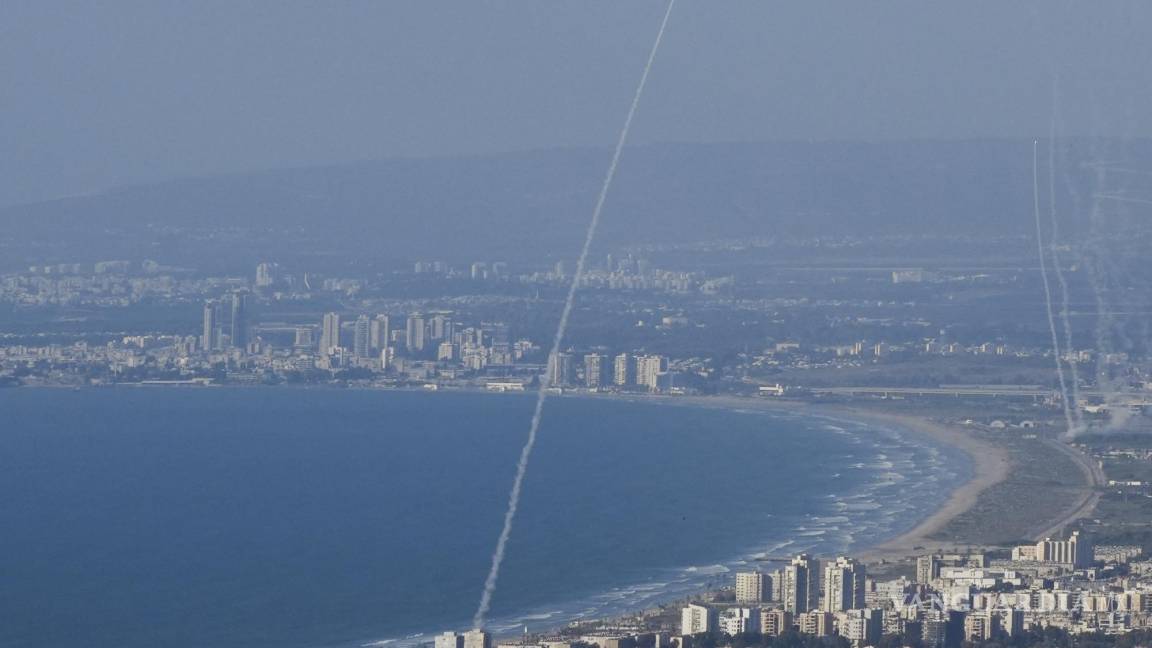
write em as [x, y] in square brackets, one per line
[557, 340]
[1047, 286]
[1123, 199]
[1064, 299]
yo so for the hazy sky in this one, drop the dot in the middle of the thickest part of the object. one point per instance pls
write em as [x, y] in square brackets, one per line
[103, 93]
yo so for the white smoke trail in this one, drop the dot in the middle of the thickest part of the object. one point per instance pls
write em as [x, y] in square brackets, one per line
[1065, 319]
[557, 340]
[1064, 396]
[1123, 199]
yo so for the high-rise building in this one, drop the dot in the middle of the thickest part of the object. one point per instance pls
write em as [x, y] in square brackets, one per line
[623, 370]
[560, 369]
[696, 618]
[800, 584]
[380, 332]
[648, 370]
[265, 275]
[330, 333]
[593, 370]
[449, 640]
[362, 337]
[446, 352]
[928, 568]
[239, 328]
[210, 339]
[440, 327]
[934, 629]
[477, 639]
[844, 582]
[416, 333]
[753, 587]
[1076, 551]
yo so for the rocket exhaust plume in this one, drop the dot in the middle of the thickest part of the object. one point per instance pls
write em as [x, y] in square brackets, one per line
[1065, 302]
[1048, 289]
[557, 340]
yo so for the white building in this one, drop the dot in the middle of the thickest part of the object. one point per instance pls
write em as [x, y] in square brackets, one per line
[695, 619]
[753, 587]
[450, 640]
[844, 585]
[738, 620]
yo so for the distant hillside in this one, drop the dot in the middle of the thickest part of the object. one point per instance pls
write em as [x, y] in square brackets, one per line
[535, 205]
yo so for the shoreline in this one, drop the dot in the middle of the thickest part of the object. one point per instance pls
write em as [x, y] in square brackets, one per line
[990, 463]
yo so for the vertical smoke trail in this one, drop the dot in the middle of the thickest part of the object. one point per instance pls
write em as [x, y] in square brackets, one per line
[542, 393]
[1047, 286]
[1064, 300]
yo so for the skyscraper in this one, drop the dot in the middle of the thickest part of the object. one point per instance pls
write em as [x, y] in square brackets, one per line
[440, 327]
[560, 369]
[648, 370]
[381, 331]
[844, 585]
[210, 339]
[330, 333]
[361, 337]
[623, 370]
[753, 587]
[593, 370]
[800, 584]
[239, 329]
[416, 333]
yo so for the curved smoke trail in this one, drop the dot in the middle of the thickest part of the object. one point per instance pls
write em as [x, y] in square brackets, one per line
[557, 340]
[1047, 286]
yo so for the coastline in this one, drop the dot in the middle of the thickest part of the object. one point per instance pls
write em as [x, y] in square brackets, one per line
[991, 464]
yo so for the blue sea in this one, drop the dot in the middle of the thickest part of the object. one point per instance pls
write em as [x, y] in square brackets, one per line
[324, 517]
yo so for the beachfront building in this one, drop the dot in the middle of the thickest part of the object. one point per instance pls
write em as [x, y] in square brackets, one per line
[753, 587]
[844, 582]
[800, 584]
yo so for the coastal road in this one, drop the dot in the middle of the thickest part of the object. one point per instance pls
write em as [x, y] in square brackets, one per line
[1093, 482]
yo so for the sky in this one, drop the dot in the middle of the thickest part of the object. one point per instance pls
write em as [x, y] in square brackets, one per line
[97, 95]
